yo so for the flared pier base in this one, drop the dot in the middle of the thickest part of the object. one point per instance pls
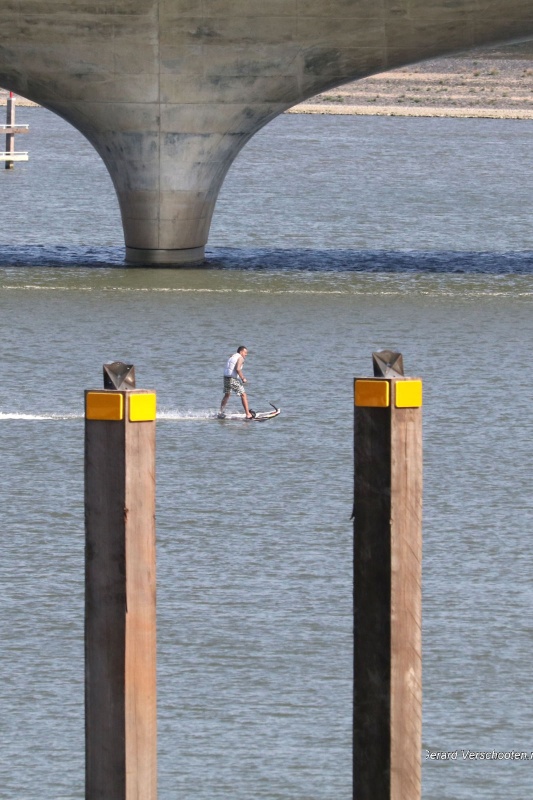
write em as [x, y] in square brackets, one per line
[189, 257]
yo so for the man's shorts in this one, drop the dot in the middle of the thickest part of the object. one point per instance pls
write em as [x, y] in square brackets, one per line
[233, 385]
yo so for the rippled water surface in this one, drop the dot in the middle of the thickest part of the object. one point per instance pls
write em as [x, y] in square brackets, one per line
[333, 238]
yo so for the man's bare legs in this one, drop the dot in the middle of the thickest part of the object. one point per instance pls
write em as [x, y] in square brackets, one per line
[244, 401]
[224, 402]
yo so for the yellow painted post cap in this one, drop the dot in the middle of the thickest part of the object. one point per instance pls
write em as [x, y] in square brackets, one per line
[104, 405]
[142, 407]
[372, 393]
[408, 394]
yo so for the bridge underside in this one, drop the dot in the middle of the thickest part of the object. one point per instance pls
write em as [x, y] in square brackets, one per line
[169, 91]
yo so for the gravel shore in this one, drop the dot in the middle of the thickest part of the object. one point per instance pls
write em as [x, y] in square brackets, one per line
[492, 84]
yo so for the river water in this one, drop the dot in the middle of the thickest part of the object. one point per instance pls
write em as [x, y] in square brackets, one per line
[333, 237]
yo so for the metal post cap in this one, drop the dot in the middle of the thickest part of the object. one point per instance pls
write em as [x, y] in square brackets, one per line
[118, 375]
[387, 364]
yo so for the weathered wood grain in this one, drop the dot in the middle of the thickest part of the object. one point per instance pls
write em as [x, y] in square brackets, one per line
[387, 602]
[120, 621]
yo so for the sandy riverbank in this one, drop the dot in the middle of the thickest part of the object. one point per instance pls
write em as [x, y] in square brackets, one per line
[21, 101]
[412, 111]
[495, 84]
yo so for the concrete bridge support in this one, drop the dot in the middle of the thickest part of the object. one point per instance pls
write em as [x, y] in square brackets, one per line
[169, 91]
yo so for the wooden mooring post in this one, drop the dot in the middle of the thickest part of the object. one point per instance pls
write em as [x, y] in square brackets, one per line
[120, 586]
[387, 726]
[10, 155]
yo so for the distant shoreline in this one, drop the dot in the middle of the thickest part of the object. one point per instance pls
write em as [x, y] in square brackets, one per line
[412, 111]
[493, 84]
[331, 109]
[22, 102]
[379, 111]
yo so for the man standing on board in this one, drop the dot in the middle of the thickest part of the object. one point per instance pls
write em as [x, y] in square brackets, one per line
[234, 381]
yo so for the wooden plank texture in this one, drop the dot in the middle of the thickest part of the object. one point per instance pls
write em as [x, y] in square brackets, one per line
[406, 604]
[120, 616]
[141, 710]
[387, 729]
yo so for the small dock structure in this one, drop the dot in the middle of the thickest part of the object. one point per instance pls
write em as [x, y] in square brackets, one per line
[10, 155]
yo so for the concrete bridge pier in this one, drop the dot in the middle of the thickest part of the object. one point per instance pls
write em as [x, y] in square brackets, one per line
[167, 164]
[167, 183]
[167, 204]
[169, 91]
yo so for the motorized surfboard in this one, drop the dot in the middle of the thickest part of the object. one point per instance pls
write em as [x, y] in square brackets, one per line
[258, 416]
